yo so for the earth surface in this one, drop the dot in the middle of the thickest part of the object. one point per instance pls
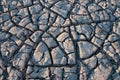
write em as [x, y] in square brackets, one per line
[59, 39]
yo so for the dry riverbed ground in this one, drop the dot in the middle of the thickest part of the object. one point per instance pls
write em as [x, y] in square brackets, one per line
[59, 39]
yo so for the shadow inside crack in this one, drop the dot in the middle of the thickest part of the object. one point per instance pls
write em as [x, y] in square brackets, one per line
[1, 9]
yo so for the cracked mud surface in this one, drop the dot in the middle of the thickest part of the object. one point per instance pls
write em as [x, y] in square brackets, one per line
[59, 39]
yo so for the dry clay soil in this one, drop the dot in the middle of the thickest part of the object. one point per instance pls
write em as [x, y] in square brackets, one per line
[59, 39]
